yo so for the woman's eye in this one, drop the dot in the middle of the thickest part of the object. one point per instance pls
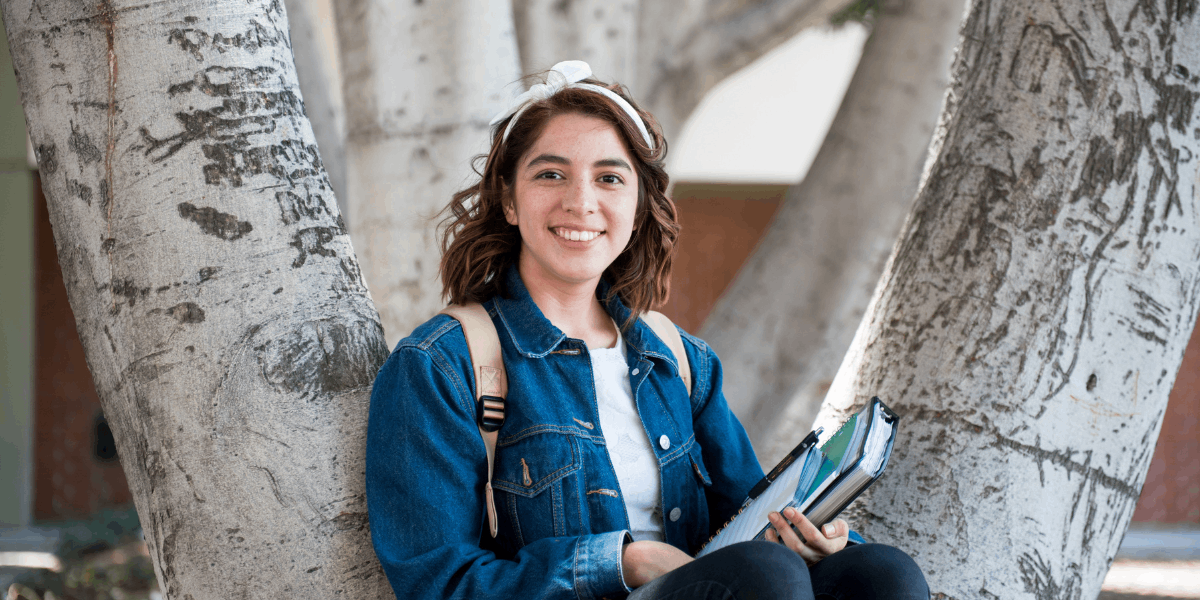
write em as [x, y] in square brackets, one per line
[548, 175]
[613, 179]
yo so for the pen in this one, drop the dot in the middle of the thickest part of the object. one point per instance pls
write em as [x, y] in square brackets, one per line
[787, 461]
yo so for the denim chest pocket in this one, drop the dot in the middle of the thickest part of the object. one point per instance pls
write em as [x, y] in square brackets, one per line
[535, 477]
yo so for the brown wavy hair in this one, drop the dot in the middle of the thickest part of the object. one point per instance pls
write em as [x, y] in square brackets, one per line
[478, 244]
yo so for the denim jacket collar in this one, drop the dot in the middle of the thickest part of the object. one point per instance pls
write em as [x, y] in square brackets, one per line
[535, 336]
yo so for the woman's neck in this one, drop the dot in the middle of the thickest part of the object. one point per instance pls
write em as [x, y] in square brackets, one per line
[574, 309]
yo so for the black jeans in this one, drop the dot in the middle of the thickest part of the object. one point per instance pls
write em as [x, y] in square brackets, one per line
[768, 571]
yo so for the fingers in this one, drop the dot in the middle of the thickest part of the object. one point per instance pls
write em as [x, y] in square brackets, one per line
[783, 532]
[813, 538]
[836, 529]
[834, 536]
[815, 544]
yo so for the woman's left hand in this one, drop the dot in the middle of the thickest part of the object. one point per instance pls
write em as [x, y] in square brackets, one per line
[816, 544]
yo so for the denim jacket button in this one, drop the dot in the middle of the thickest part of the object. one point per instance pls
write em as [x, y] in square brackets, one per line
[636, 371]
[675, 513]
[664, 442]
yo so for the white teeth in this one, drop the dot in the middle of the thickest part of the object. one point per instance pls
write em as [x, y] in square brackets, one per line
[577, 236]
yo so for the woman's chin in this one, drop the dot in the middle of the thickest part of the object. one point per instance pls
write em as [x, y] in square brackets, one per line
[569, 274]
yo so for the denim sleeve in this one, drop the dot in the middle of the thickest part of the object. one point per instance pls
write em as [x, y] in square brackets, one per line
[426, 466]
[725, 447]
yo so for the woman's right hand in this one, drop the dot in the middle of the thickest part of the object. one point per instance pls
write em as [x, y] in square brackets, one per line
[643, 561]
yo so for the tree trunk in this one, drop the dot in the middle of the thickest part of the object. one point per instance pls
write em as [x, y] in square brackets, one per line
[668, 53]
[1036, 308]
[706, 41]
[314, 44]
[422, 80]
[601, 32]
[229, 334]
[782, 338]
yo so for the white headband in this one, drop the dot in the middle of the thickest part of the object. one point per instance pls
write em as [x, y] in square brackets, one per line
[566, 74]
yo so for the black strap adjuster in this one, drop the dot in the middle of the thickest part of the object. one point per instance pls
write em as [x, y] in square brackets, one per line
[490, 413]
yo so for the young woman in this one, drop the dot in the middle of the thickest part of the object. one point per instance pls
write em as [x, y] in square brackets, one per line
[608, 474]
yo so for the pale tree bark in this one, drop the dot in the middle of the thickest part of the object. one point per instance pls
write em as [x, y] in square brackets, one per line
[318, 67]
[601, 32]
[422, 81]
[1036, 308]
[228, 331]
[785, 322]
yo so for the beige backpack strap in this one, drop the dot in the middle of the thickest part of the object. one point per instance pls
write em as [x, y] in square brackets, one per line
[666, 331]
[491, 386]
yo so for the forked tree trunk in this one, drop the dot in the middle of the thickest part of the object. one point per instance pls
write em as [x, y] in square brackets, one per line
[228, 331]
[1036, 308]
[422, 80]
[784, 324]
[669, 53]
[685, 47]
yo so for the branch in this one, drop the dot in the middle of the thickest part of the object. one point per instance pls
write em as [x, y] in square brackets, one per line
[708, 42]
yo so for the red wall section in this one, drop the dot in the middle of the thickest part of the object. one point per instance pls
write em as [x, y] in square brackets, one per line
[69, 481]
[721, 226]
[1171, 493]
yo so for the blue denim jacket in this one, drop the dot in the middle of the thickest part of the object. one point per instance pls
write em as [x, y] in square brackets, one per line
[562, 520]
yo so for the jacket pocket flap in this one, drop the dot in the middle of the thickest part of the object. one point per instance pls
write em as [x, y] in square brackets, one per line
[530, 465]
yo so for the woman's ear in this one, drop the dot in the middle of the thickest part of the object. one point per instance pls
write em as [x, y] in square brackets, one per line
[510, 209]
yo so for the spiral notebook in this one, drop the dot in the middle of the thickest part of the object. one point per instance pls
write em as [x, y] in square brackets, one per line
[821, 481]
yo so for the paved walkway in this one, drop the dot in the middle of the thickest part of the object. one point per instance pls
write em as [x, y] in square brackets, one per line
[1158, 579]
[1155, 564]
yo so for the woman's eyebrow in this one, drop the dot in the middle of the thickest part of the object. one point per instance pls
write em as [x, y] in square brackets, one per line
[548, 158]
[560, 160]
[613, 162]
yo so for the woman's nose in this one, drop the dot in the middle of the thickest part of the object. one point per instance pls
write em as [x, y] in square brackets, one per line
[580, 199]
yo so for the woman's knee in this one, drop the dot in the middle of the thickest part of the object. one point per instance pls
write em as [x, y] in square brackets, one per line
[763, 570]
[892, 563]
[871, 571]
[745, 571]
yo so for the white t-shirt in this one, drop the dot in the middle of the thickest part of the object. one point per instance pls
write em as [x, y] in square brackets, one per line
[628, 445]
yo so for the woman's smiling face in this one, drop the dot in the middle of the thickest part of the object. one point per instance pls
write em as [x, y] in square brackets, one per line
[574, 199]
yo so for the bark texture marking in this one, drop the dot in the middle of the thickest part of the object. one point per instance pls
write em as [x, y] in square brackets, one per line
[225, 320]
[1035, 310]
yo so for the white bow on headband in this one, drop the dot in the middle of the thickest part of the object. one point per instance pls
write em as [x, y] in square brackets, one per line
[566, 74]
